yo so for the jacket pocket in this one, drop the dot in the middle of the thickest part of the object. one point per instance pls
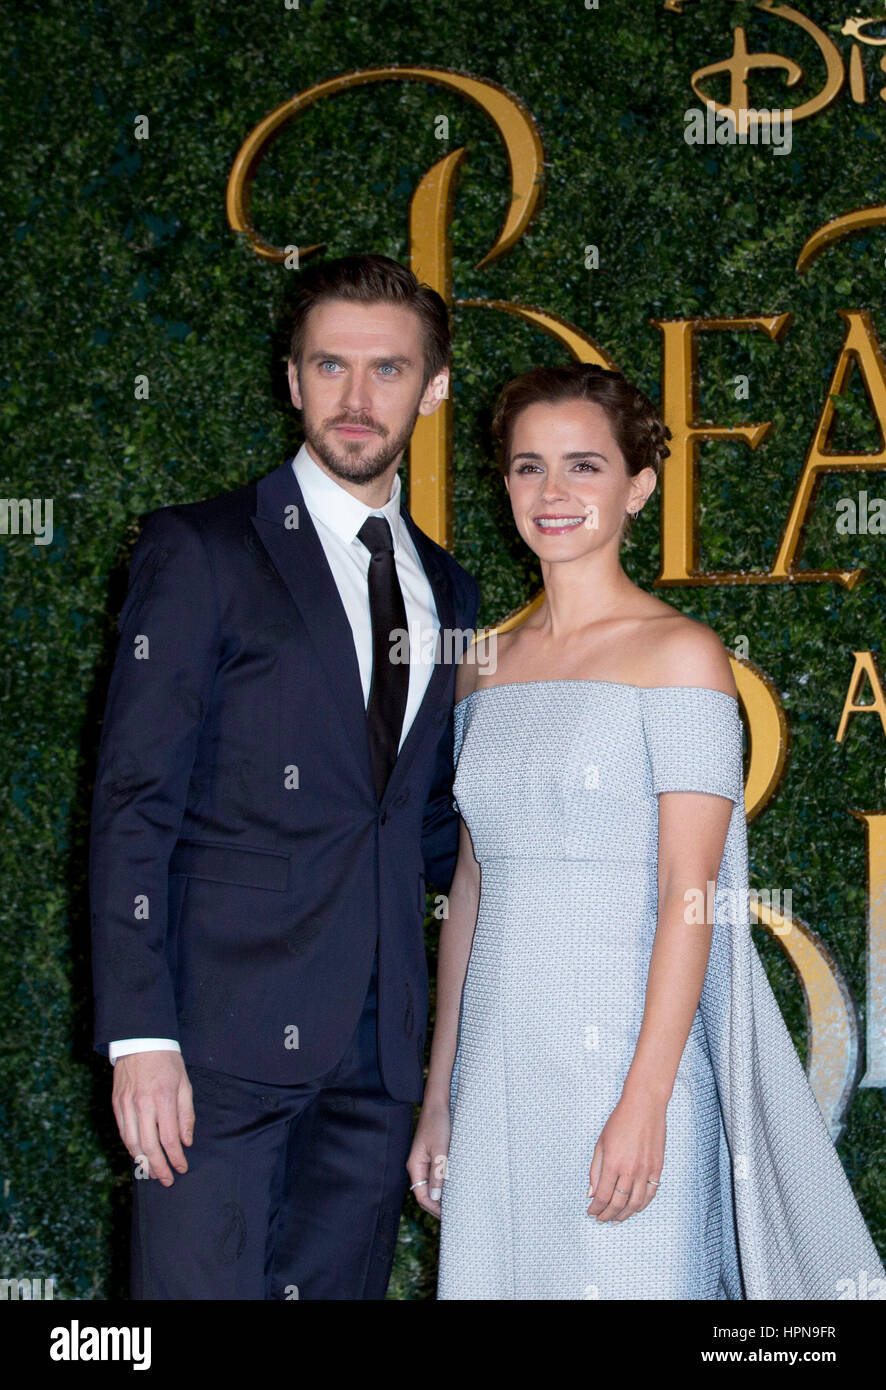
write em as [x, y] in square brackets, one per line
[248, 868]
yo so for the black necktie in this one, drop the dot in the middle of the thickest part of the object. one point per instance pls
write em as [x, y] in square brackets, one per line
[390, 679]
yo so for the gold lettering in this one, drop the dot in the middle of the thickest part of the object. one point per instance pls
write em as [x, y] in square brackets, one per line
[865, 665]
[856, 221]
[742, 63]
[861, 348]
[510, 116]
[768, 735]
[679, 512]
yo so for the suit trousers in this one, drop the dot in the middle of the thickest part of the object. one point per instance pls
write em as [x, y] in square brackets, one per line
[291, 1191]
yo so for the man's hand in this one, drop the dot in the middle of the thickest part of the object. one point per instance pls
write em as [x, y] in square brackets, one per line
[154, 1110]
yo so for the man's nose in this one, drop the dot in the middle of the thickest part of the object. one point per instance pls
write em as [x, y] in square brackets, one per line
[356, 395]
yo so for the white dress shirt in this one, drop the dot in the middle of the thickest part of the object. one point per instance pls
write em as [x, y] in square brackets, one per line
[337, 516]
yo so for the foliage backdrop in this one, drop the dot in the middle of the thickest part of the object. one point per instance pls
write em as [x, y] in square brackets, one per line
[118, 261]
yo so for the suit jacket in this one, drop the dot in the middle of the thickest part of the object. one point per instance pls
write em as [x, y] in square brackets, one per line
[242, 868]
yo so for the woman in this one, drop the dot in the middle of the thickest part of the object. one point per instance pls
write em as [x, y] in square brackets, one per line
[624, 1113]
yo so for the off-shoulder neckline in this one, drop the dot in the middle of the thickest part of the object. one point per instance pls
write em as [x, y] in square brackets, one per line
[622, 685]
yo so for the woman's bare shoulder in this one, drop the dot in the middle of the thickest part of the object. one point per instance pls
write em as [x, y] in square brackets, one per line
[478, 659]
[690, 653]
[485, 662]
[465, 676]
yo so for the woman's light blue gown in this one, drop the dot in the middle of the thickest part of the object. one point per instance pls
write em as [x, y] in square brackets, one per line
[558, 783]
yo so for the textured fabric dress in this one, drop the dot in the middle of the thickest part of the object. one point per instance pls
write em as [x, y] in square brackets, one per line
[558, 783]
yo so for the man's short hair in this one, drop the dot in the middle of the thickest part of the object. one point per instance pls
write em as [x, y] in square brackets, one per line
[374, 280]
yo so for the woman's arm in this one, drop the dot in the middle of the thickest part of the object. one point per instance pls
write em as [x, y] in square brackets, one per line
[630, 1150]
[692, 830]
[456, 938]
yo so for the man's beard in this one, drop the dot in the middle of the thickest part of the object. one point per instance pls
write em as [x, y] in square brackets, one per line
[347, 461]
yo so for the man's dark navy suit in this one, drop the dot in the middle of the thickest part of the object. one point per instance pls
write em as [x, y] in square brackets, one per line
[243, 872]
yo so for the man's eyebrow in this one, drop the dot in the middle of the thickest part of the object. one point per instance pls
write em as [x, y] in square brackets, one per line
[396, 359]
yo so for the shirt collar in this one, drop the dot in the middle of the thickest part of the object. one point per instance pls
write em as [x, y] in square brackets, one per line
[340, 510]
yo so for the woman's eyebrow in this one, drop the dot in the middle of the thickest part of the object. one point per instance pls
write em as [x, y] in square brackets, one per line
[570, 458]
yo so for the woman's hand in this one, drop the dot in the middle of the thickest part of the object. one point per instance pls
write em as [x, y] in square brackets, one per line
[630, 1150]
[426, 1163]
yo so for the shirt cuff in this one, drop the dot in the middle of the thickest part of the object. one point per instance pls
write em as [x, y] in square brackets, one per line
[127, 1045]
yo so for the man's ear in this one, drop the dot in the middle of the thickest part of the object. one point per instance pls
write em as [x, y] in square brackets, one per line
[435, 392]
[294, 389]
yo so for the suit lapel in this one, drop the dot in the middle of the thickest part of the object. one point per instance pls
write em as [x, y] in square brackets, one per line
[299, 558]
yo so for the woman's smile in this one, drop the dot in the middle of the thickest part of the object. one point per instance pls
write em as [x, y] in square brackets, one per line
[558, 525]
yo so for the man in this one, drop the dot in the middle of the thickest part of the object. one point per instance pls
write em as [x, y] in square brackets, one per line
[273, 789]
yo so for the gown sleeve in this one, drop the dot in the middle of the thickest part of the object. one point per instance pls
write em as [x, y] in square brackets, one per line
[694, 740]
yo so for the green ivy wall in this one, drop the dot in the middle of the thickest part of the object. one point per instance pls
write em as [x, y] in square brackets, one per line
[118, 261]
